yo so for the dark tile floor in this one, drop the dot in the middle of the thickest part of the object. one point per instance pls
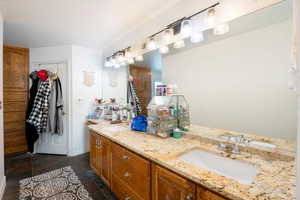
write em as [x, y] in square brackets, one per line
[25, 165]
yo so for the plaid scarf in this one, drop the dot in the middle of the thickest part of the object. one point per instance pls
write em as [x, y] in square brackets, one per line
[133, 98]
[39, 114]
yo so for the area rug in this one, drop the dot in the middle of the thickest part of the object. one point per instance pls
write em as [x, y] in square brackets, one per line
[60, 184]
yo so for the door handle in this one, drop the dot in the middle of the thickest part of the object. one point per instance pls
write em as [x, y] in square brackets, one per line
[189, 197]
[126, 174]
[125, 157]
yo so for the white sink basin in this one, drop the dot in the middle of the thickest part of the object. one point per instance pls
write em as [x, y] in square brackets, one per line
[240, 171]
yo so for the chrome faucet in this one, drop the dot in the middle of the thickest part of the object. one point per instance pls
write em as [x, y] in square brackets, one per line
[233, 148]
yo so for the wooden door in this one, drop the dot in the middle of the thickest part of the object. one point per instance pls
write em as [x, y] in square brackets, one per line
[93, 146]
[15, 82]
[203, 194]
[105, 160]
[142, 84]
[169, 186]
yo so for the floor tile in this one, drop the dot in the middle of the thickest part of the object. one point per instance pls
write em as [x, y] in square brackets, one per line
[26, 165]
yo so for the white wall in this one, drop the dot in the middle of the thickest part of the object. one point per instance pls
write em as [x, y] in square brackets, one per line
[239, 83]
[2, 175]
[83, 60]
[114, 82]
[296, 13]
[80, 97]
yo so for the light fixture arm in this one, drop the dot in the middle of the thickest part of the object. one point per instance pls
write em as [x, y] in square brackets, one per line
[176, 26]
[177, 22]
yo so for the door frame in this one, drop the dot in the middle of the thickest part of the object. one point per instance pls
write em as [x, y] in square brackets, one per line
[146, 68]
[68, 92]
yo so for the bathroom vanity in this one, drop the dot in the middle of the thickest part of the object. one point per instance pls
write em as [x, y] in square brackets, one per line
[143, 167]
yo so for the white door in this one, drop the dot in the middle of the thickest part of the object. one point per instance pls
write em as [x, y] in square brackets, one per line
[51, 143]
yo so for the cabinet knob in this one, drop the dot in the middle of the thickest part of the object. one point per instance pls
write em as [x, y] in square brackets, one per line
[127, 198]
[189, 197]
[127, 174]
[125, 157]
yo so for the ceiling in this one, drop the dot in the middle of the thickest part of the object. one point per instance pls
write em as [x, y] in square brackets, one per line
[92, 23]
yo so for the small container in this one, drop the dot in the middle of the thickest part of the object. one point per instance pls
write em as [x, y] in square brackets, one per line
[177, 133]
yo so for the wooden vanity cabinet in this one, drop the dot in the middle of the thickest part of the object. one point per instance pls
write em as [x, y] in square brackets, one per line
[203, 194]
[132, 177]
[131, 173]
[100, 156]
[167, 185]
[93, 151]
[105, 154]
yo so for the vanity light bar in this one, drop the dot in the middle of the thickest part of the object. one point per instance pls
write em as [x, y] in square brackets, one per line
[151, 44]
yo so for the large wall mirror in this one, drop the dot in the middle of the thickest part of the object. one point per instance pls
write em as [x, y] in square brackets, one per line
[237, 81]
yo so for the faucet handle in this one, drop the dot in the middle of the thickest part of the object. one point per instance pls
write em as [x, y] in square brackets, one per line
[235, 149]
[222, 146]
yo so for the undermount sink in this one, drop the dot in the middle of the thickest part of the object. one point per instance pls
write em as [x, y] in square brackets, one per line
[239, 171]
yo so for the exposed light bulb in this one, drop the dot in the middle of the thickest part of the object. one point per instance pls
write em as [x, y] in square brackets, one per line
[139, 58]
[117, 65]
[164, 49]
[113, 61]
[211, 17]
[167, 36]
[221, 29]
[151, 44]
[130, 60]
[107, 63]
[128, 53]
[186, 28]
[179, 44]
[120, 57]
[197, 37]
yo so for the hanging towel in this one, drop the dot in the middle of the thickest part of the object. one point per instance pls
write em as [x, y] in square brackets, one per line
[55, 115]
[39, 114]
[30, 130]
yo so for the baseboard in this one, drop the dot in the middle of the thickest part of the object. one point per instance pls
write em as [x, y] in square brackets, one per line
[2, 186]
[78, 151]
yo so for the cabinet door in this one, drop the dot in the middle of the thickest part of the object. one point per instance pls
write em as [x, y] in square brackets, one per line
[98, 161]
[168, 186]
[93, 141]
[105, 145]
[203, 194]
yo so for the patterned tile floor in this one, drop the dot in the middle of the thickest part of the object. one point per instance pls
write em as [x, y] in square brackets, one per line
[21, 166]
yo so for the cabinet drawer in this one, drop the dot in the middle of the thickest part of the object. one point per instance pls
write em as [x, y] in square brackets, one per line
[121, 190]
[203, 194]
[131, 160]
[138, 182]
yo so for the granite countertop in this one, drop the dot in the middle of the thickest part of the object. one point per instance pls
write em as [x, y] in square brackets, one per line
[275, 180]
